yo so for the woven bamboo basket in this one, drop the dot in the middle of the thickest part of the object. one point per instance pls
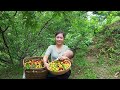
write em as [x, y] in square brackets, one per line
[60, 72]
[35, 73]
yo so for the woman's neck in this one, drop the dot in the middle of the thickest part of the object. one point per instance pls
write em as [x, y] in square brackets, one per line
[59, 46]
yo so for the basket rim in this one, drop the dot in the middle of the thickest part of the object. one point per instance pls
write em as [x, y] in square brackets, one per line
[35, 68]
[34, 57]
[34, 71]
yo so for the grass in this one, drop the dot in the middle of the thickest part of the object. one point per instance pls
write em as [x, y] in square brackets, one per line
[11, 72]
[83, 67]
[91, 67]
[114, 69]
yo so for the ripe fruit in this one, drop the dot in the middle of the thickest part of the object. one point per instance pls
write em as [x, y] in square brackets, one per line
[33, 64]
[58, 65]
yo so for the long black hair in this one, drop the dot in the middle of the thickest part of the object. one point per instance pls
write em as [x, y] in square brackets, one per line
[58, 32]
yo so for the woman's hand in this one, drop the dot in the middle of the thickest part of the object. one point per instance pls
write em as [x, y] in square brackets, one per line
[45, 61]
[63, 58]
[46, 65]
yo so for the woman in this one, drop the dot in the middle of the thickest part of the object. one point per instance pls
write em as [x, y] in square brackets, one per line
[57, 51]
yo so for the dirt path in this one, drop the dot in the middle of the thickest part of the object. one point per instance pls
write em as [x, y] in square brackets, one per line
[103, 71]
[95, 69]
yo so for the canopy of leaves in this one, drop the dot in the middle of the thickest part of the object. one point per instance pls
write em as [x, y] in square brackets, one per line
[29, 33]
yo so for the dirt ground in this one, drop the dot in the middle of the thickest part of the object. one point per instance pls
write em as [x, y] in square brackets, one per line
[102, 71]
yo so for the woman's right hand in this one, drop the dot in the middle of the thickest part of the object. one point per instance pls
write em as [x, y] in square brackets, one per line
[46, 65]
[45, 59]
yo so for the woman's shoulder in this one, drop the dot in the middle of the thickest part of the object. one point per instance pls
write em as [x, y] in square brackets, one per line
[65, 46]
[51, 46]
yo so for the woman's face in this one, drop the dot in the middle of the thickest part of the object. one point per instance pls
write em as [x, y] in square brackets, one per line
[59, 39]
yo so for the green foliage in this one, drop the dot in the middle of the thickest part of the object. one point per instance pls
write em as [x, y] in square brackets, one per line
[11, 72]
[106, 45]
[114, 69]
[29, 33]
[89, 74]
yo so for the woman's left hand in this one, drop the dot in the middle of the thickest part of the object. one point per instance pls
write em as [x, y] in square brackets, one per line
[63, 58]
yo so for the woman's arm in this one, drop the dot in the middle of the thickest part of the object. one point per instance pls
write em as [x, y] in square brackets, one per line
[68, 55]
[45, 61]
[64, 57]
[45, 58]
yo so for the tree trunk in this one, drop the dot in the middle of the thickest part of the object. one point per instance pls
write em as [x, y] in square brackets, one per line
[5, 43]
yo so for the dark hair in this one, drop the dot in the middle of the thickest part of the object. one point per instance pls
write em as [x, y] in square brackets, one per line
[58, 32]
